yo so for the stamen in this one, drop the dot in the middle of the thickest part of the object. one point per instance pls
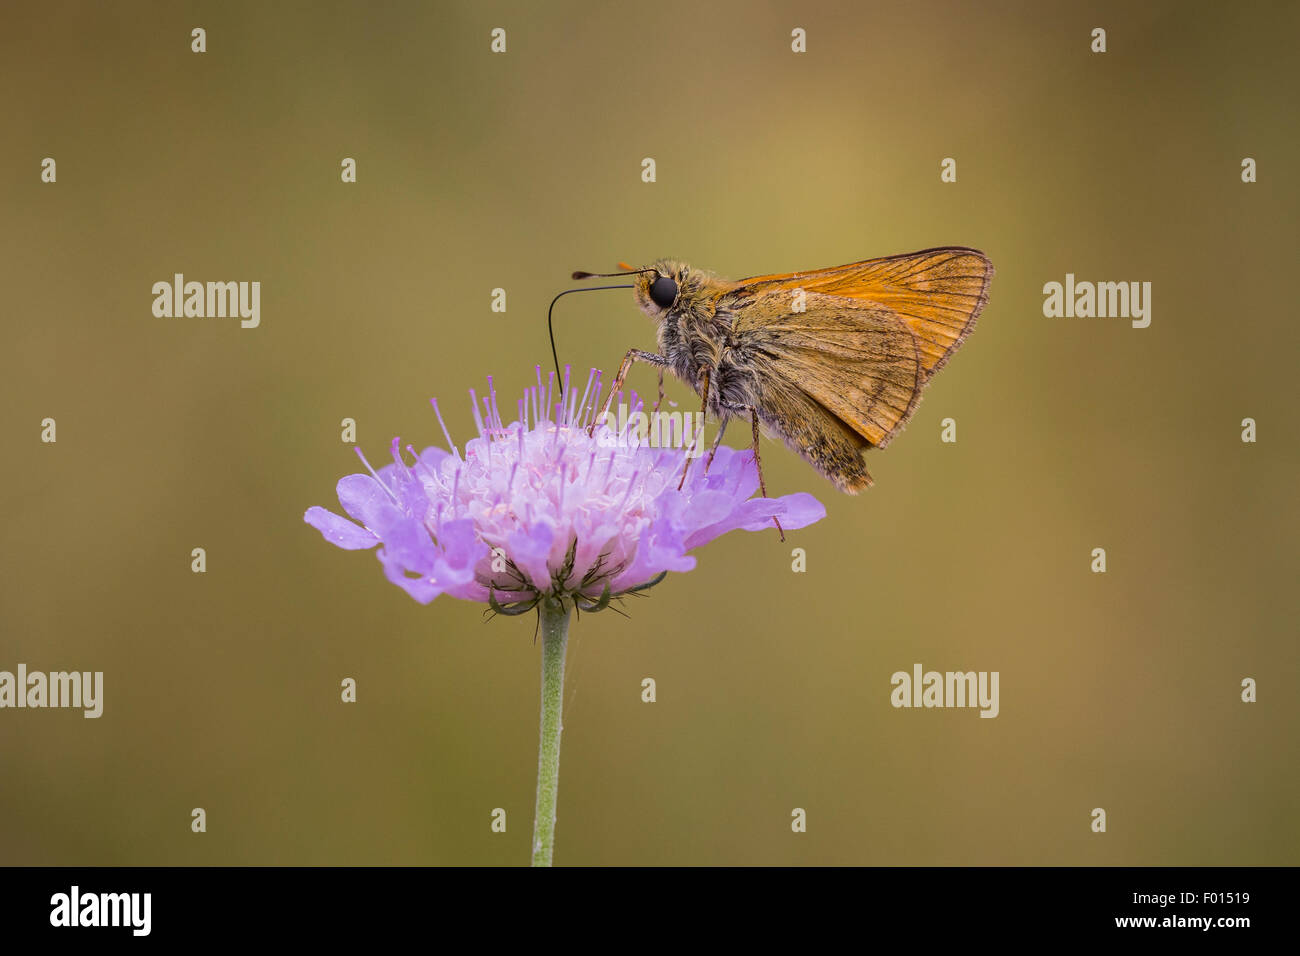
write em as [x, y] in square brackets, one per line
[595, 402]
[420, 465]
[494, 416]
[580, 415]
[631, 482]
[568, 397]
[376, 475]
[478, 417]
[491, 428]
[446, 434]
[635, 406]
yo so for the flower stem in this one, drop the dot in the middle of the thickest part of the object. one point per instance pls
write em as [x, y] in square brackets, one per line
[555, 635]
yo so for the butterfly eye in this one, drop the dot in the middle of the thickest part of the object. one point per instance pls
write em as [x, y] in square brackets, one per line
[664, 292]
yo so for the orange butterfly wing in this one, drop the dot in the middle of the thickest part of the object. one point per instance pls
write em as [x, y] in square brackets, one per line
[870, 336]
[937, 293]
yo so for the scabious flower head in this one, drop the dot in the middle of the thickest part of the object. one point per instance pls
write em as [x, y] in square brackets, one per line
[538, 508]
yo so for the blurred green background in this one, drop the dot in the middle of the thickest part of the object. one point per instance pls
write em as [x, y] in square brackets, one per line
[1118, 690]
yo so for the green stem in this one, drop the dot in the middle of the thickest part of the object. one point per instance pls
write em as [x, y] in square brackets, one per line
[555, 634]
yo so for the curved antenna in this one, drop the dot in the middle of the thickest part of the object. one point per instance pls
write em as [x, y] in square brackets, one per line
[551, 328]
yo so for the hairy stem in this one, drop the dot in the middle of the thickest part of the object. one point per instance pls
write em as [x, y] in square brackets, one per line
[555, 635]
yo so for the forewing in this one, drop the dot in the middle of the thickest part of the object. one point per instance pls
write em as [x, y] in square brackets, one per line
[937, 294]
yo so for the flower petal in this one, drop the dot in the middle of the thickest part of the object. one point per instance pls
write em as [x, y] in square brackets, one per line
[339, 530]
[365, 500]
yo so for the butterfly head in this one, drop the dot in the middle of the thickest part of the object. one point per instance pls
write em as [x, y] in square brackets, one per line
[667, 286]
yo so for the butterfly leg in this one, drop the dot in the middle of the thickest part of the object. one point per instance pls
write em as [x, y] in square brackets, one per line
[660, 400]
[758, 463]
[633, 355]
[722, 427]
[704, 410]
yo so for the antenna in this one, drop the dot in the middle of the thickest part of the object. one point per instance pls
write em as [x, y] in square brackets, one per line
[550, 328]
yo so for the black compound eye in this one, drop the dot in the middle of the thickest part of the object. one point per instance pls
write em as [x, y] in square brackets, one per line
[664, 292]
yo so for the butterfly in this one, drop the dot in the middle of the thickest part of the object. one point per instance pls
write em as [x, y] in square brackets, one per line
[831, 361]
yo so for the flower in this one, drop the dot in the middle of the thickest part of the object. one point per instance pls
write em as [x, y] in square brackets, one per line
[541, 508]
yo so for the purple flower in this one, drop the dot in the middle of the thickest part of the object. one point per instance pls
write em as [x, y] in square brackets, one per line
[539, 508]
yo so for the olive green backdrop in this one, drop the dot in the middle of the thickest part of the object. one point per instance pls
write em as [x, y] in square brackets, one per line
[1118, 690]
